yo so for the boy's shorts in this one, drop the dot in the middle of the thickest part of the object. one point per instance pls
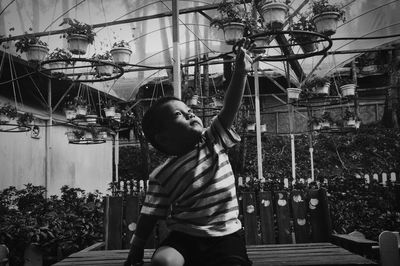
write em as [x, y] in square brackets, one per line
[210, 251]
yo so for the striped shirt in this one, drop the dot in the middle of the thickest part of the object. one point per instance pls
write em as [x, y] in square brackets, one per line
[196, 191]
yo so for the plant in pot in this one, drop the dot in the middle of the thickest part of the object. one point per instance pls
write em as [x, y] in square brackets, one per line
[346, 86]
[35, 49]
[121, 52]
[59, 60]
[326, 16]
[315, 122]
[253, 27]
[307, 42]
[25, 119]
[349, 118]
[109, 108]
[81, 106]
[7, 113]
[274, 14]
[103, 69]
[232, 20]
[190, 96]
[218, 98]
[318, 84]
[327, 120]
[79, 35]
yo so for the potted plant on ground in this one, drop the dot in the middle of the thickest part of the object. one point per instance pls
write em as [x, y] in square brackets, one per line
[101, 68]
[62, 59]
[7, 113]
[25, 119]
[307, 42]
[121, 52]
[35, 49]
[326, 16]
[79, 35]
[231, 21]
[346, 86]
[274, 14]
[318, 85]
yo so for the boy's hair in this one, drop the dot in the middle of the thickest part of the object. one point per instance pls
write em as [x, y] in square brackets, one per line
[152, 123]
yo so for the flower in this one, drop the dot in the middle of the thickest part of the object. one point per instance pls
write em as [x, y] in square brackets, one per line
[25, 43]
[77, 27]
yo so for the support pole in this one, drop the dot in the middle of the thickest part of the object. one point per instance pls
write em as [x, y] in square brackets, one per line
[258, 120]
[291, 114]
[116, 156]
[48, 139]
[176, 52]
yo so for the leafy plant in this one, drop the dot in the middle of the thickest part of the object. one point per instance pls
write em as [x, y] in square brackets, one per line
[326, 117]
[9, 110]
[343, 80]
[188, 93]
[349, 114]
[122, 43]
[80, 101]
[316, 81]
[230, 11]
[26, 42]
[78, 133]
[77, 27]
[106, 56]
[60, 54]
[25, 119]
[320, 6]
[315, 120]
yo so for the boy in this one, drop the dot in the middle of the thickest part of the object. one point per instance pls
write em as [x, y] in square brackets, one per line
[195, 187]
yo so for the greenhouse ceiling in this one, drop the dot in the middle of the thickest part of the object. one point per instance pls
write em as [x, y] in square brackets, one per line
[147, 26]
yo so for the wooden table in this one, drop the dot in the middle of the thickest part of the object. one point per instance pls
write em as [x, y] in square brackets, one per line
[271, 255]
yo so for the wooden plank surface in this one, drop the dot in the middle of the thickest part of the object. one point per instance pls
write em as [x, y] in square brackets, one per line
[273, 255]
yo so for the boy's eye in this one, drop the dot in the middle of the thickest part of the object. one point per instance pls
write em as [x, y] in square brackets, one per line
[178, 113]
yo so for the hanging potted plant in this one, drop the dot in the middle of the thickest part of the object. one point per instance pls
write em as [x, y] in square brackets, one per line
[62, 59]
[81, 106]
[253, 27]
[327, 120]
[231, 21]
[79, 35]
[326, 16]
[190, 96]
[101, 68]
[274, 14]
[346, 86]
[70, 110]
[218, 98]
[121, 53]
[34, 49]
[318, 85]
[25, 119]
[91, 118]
[75, 135]
[109, 108]
[349, 118]
[307, 42]
[293, 93]
[315, 122]
[8, 112]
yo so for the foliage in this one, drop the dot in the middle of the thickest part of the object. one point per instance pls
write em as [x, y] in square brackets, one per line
[60, 54]
[9, 110]
[122, 43]
[304, 24]
[79, 134]
[106, 56]
[348, 114]
[26, 42]
[315, 120]
[25, 119]
[327, 117]
[188, 93]
[66, 224]
[343, 80]
[108, 103]
[230, 11]
[321, 6]
[80, 101]
[77, 27]
[316, 81]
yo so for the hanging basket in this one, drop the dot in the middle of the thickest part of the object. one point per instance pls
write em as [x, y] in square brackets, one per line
[104, 70]
[77, 43]
[36, 53]
[306, 43]
[323, 90]
[109, 112]
[58, 67]
[251, 127]
[348, 90]
[326, 22]
[293, 93]
[259, 43]
[233, 32]
[81, 110]
[325, 124]
[70, 114]
[274, 15]
[350, 123]
[316, 126]
[194, 100]
[121, 55]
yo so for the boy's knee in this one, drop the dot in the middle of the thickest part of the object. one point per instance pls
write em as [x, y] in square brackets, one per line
[166, 256]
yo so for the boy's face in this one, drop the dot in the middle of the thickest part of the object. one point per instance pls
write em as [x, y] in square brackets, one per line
[182, 128]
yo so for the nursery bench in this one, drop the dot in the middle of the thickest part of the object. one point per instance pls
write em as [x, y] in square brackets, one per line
[281, 228]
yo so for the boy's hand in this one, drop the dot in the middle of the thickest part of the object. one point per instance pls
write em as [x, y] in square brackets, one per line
[135, 256]
[243, 59]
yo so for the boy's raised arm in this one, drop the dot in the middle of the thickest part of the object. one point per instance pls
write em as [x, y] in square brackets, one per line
[234, 93]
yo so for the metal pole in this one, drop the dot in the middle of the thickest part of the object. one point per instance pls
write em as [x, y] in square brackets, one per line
[176, 52]
[258, 120]
[48, 139]
[116, 156]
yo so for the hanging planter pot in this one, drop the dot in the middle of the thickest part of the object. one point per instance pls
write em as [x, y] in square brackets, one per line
[325, 124]
[117, 117]
[58, 67]
[263, 128]
[323, 90]
[293, 93]
[91, 119]
[348, 90]
[233, 32]
[306, 43]
[274, 15]
[326, 22]
[259, 43]
[109, 111]
[104, 70]
[251, 127]
[121, 55]
[350, 122]
[194, 100]
[316, 126]
[77, 43]
[81, 110]
[70, 113]
[36, 53]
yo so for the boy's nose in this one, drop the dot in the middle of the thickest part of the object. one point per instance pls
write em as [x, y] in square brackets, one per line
[189, 115]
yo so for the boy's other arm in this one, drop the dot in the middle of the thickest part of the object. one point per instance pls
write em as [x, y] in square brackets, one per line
[234, 93]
